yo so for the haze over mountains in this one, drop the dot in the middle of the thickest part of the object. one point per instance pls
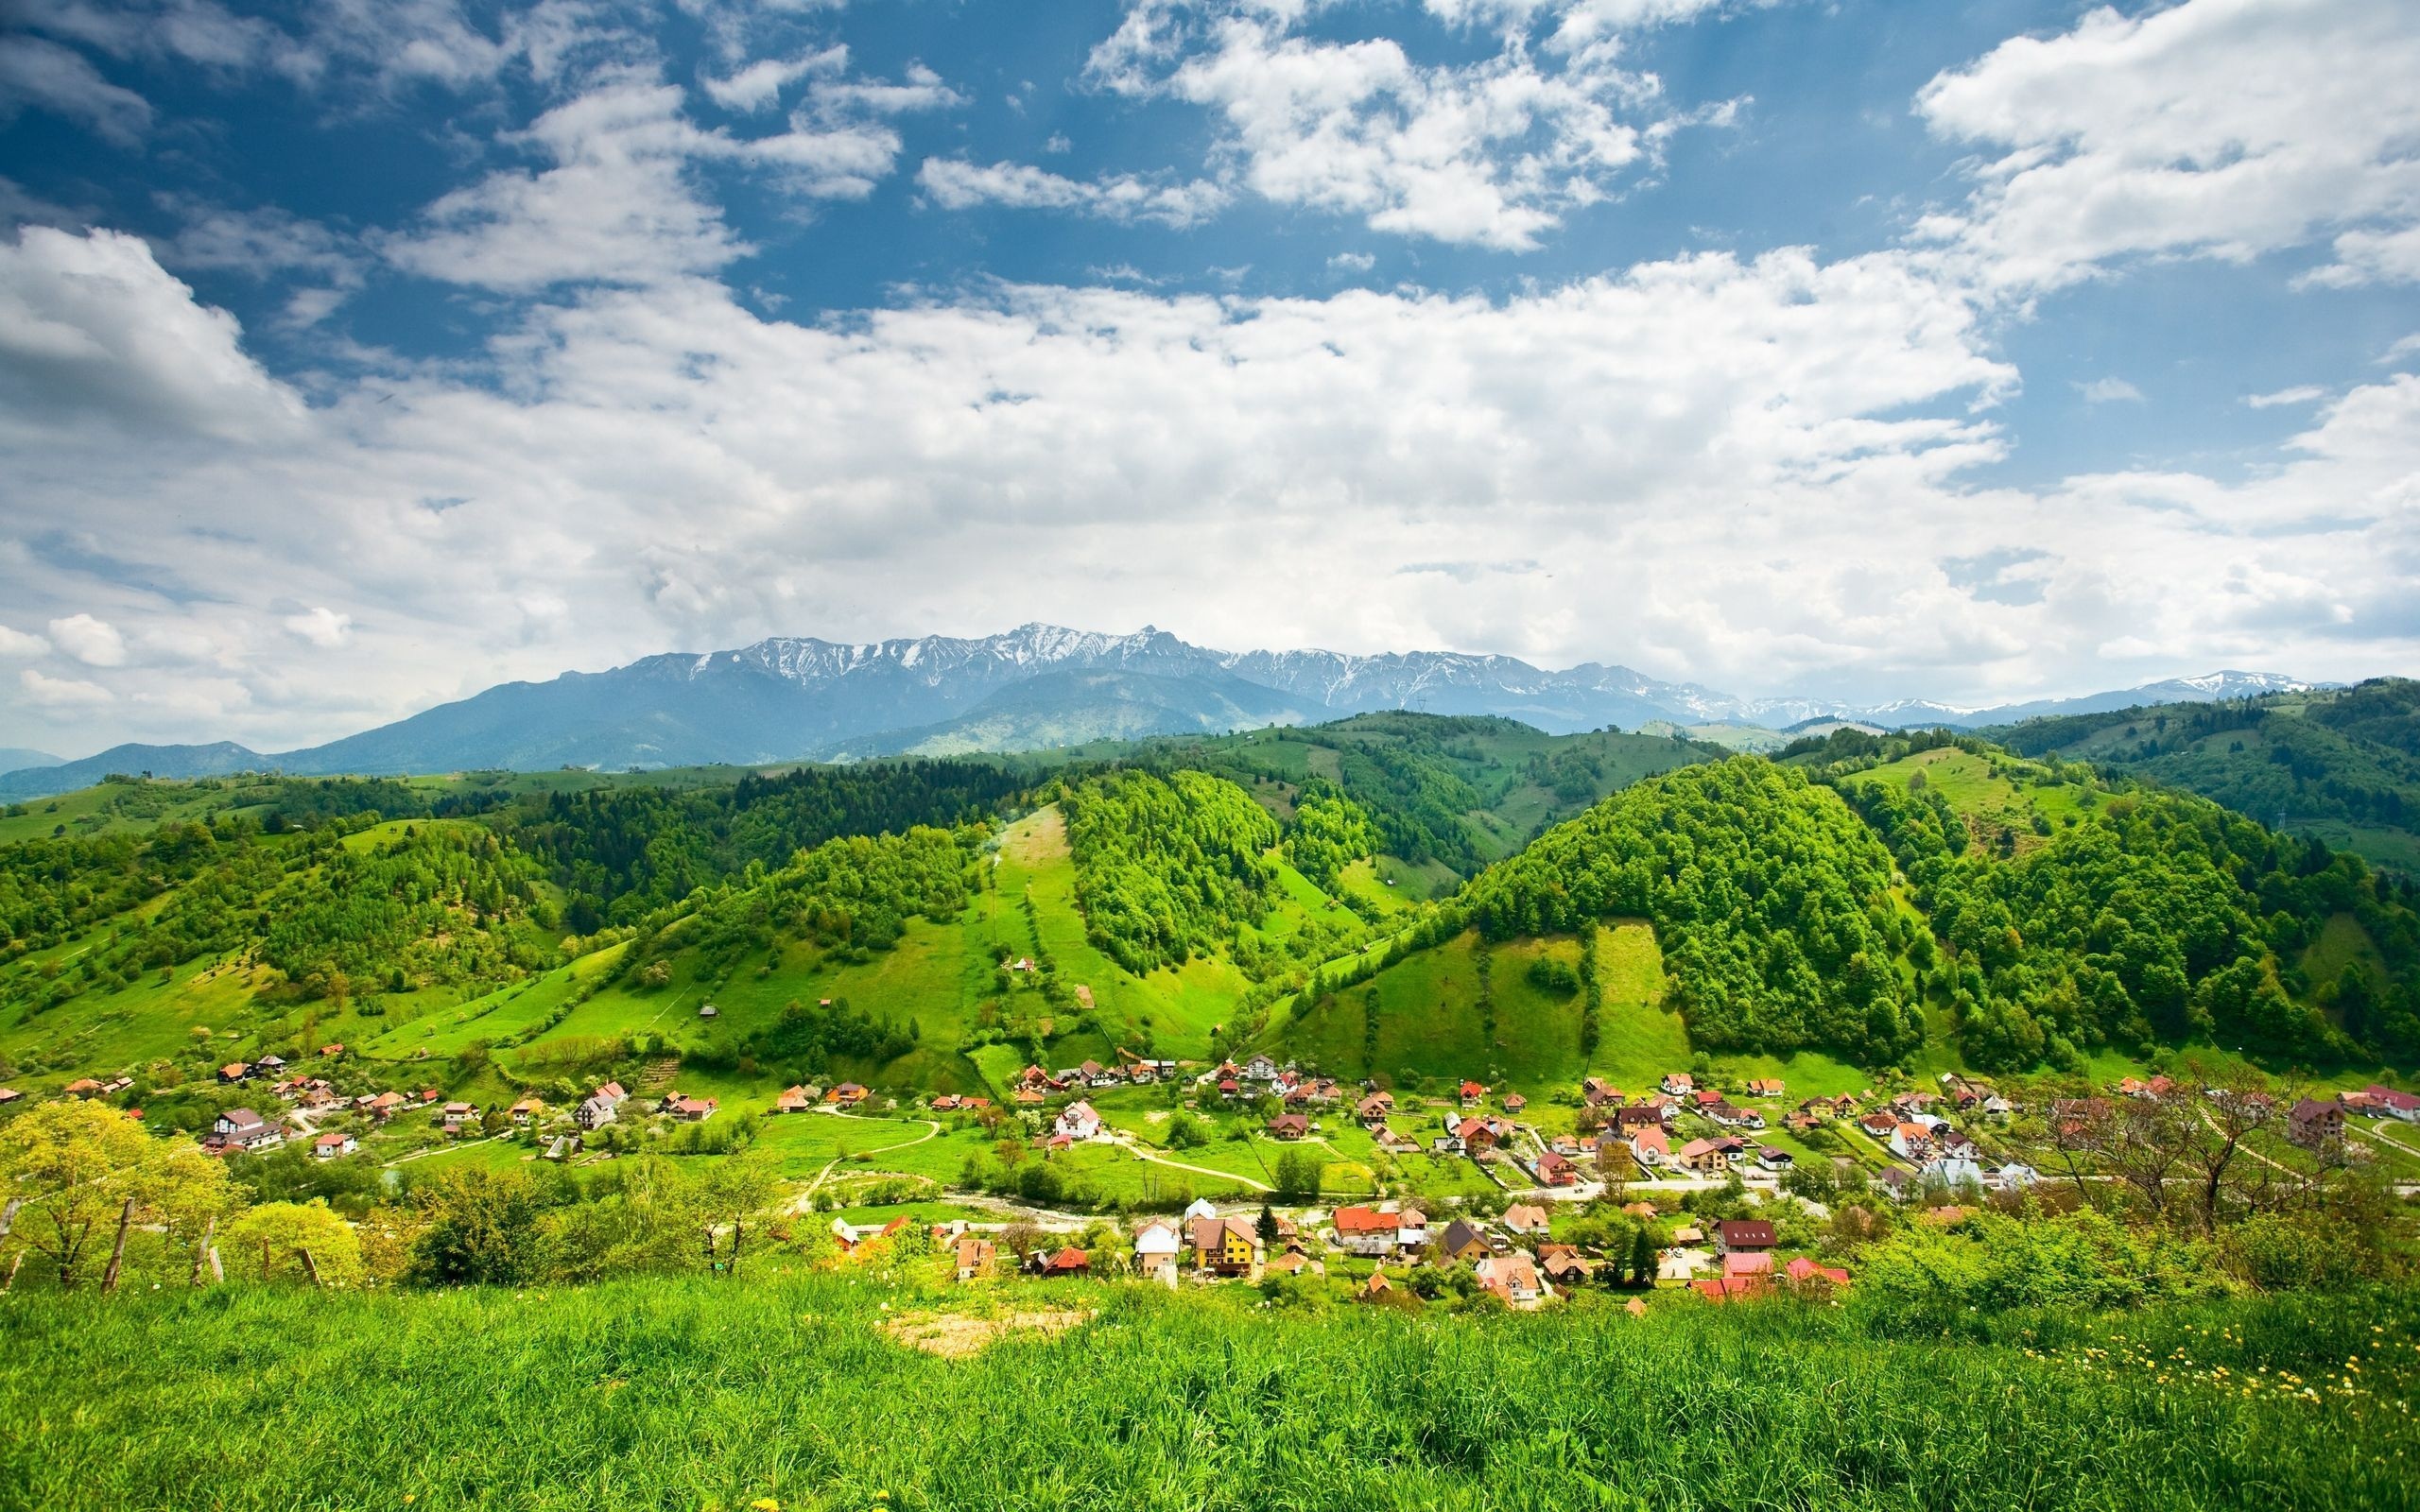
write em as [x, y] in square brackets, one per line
[1033, 687]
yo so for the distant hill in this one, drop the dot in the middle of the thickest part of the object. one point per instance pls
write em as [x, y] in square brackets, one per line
[16, 758]
[2340, 764]
[1070, 707]
[131, 761]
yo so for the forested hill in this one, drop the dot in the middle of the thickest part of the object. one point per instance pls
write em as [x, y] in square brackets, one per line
[937, 925]
[2343, 765]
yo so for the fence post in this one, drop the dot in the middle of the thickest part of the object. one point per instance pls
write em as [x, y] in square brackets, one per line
[118, 1251]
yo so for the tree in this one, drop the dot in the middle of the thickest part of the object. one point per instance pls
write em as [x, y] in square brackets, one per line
[1642, 1257]
[273, 1241]
[482, 1230]
[81, 1169]
[1298, 1175]
[1265, 1228]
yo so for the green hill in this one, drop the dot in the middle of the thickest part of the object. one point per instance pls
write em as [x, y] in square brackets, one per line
[2340, 765]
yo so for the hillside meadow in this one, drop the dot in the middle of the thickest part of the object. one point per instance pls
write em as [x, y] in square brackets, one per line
[798, 1392]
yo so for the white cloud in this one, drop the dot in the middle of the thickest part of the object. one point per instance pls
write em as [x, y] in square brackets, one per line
[954, 185]
[759, 86]
[60, 693]
[1490, 153]
[319, 626]
[1353, 262]
[2224, 129]
[2109, 391]
[92, 326]
[95, 643]
[16, 643]
[35, 73]
[2299, 394]
[618, 206]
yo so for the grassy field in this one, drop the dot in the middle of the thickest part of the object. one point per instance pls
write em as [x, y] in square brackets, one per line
[789, 1392]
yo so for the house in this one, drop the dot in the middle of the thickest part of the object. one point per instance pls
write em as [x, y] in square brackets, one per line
[1897, 1182]
[1226, 1246]
[454, 1115]
[1473, 1093]
[1704, 1098]
[1641, 1115]
[1067, 1261]
[1373, 1110]
[1288, 1126]
[690, 1110]
[594, 1113]
[1378, 1232]
[612, 1093]
[1732, 1288]
[794, 1099]
[1878, 1124]
[234, 1071]
[1078, 1121]
[1651, 1146]
[525, 1109]
[1704, 1157]
[332, 1051]
[1912, 1141]
[1465, 1240]
[1525, 1218]
[1743, 1234]
[2389, 1103]
[2011, 1177]
[1557, 1170]
[708, 1010]
[1773, 1158]
[1953, 1171]
[971, 1257]
[1805, 1272]
[1514, 1278]
[1564, 1266]
[1766, 1086]
[1156, 1246]
[1293, 1262]
[1598, 1093]
[945, 1103]
[240, 1128]
[1748, 1263]
[1476, 1135]
[269, 1065]
[328, 1146]
[84, 1086]
[2315, 1124]
[1376, 1287]
[847, 1094]
[1514, 1102]
[10, 1094]
[1730, 1117]
[1678, 1083]
[1260, 1068]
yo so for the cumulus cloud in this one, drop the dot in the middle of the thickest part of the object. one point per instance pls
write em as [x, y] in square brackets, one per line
[95, 643]
[2224, 128]
[60, 693]
[954, 185]
[92, 326]
[16, 643]
[759, 86]
[1490, 153]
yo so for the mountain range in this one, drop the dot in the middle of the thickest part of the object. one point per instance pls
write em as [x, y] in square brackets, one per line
[1033, 687]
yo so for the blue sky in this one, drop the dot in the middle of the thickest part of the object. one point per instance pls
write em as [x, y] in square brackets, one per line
[356, 355]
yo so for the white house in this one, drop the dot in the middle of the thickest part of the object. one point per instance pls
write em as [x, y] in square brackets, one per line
[1157, 1244]
[1078, 1121]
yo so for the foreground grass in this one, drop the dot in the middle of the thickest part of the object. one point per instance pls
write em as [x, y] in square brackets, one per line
[691, 1394]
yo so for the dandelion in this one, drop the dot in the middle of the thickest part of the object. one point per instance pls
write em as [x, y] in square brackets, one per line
[765, 1503]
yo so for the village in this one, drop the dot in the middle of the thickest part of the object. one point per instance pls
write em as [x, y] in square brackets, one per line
[1727, 1192]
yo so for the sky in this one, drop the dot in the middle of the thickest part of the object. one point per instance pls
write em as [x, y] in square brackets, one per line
[359, 354]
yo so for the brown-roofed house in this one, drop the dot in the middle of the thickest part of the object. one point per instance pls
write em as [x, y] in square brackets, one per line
[1743, 1234]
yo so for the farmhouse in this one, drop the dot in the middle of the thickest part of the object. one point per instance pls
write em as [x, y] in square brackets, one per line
[1288, 1126]
[1525, 1218]
[1465, 1240]
[2389, 1103]
[1704, 1157]
[1078, 1121]
[794, 1099]
[2315, 1124]
[328, 1146]
[1514, 1278]
[1156, 1246]
[525, 1109]
[1226, 1246]
[1557, 1170]
[593, 1113]
[689, 1110]
[971, 1257]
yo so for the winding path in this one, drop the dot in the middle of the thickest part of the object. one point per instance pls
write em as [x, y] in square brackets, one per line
[932, 1130]
[1142, 1152]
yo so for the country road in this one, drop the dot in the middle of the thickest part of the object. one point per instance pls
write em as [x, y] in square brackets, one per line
[932, 1131]
[1142, 1152]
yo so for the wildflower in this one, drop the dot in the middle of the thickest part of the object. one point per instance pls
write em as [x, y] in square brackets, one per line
[765, 1503]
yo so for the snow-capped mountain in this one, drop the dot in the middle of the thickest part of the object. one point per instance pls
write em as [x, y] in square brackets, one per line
[794, 697]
